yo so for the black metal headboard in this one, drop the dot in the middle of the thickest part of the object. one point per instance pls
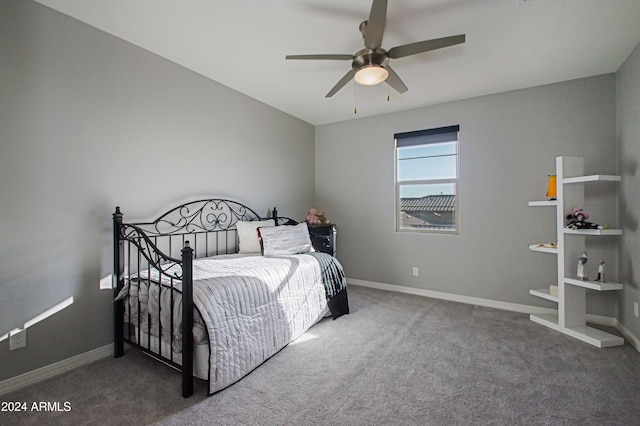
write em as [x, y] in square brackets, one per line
[200, 216]
[209, 227]
[282, 220]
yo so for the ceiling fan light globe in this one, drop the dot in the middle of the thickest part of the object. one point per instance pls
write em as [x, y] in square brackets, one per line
[371, 75]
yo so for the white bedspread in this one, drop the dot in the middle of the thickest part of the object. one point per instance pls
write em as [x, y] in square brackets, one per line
[251, 308]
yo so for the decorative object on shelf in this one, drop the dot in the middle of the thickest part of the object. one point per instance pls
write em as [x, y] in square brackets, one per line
[316, 217]
[551, 188]
[577, 219]
[600, 277]
[548, 245]
[582, 273]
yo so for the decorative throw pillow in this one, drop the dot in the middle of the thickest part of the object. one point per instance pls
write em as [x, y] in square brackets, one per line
[279, 240]
[248, 236]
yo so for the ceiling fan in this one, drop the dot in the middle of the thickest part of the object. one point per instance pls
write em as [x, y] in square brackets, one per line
[370, 66]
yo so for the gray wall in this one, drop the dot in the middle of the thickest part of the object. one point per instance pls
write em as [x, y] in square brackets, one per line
[508, 145]
[628, 136]
[89, 121]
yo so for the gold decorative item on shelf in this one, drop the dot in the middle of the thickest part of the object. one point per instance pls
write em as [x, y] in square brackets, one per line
[551, 188]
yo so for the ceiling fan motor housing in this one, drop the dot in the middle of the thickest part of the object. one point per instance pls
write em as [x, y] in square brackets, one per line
[370, 57]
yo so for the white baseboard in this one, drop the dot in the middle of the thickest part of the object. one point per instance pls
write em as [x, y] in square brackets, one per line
[629, 337]
[55, 369]
[489, 303]
[602, 320]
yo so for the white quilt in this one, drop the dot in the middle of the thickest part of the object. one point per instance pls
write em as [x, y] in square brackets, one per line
[251, 307]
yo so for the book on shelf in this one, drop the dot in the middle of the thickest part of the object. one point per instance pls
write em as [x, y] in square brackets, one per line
[553, 290]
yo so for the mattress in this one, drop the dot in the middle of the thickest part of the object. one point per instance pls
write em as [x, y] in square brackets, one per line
[200, 353]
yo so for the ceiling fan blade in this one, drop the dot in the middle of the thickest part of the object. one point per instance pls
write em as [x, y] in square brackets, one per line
[424, 46]
[375, 24]
[339, 85]
[394, 81]
[337, 57]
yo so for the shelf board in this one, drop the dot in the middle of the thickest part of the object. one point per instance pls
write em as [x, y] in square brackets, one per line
[548, 320]
[593, 285]
[593, 231]
[592, 178]
[543, 293]
[544, 203]
[537, 247]
[594, 336]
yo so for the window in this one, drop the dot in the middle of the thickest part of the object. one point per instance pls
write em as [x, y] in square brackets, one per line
[427, 180]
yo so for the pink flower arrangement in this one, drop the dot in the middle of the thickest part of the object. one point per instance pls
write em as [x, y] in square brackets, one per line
[316, 217]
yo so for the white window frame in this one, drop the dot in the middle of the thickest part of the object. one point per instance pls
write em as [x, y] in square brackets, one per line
[427, 137]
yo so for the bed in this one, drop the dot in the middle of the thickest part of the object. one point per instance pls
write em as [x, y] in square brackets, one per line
[214, 290]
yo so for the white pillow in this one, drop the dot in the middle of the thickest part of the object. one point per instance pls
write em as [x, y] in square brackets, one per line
[248, 237]
[279, 240]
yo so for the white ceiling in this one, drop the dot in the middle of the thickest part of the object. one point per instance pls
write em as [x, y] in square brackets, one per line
[510, 44]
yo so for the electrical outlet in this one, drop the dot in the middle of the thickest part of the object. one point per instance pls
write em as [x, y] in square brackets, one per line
[635, 309]
[17, 339]
[416, 271]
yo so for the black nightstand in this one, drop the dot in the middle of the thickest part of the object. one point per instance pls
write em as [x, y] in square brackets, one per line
[323, 238]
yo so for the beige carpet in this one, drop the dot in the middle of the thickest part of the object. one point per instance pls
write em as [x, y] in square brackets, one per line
[397, 359]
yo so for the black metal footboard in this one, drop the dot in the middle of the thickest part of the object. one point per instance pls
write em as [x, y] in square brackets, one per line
[135, 251]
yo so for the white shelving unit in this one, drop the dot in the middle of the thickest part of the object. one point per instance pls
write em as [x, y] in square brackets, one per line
[571, 298]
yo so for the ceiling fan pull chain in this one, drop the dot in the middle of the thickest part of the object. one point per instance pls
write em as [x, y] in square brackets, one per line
[388, 96]
[355, 99]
